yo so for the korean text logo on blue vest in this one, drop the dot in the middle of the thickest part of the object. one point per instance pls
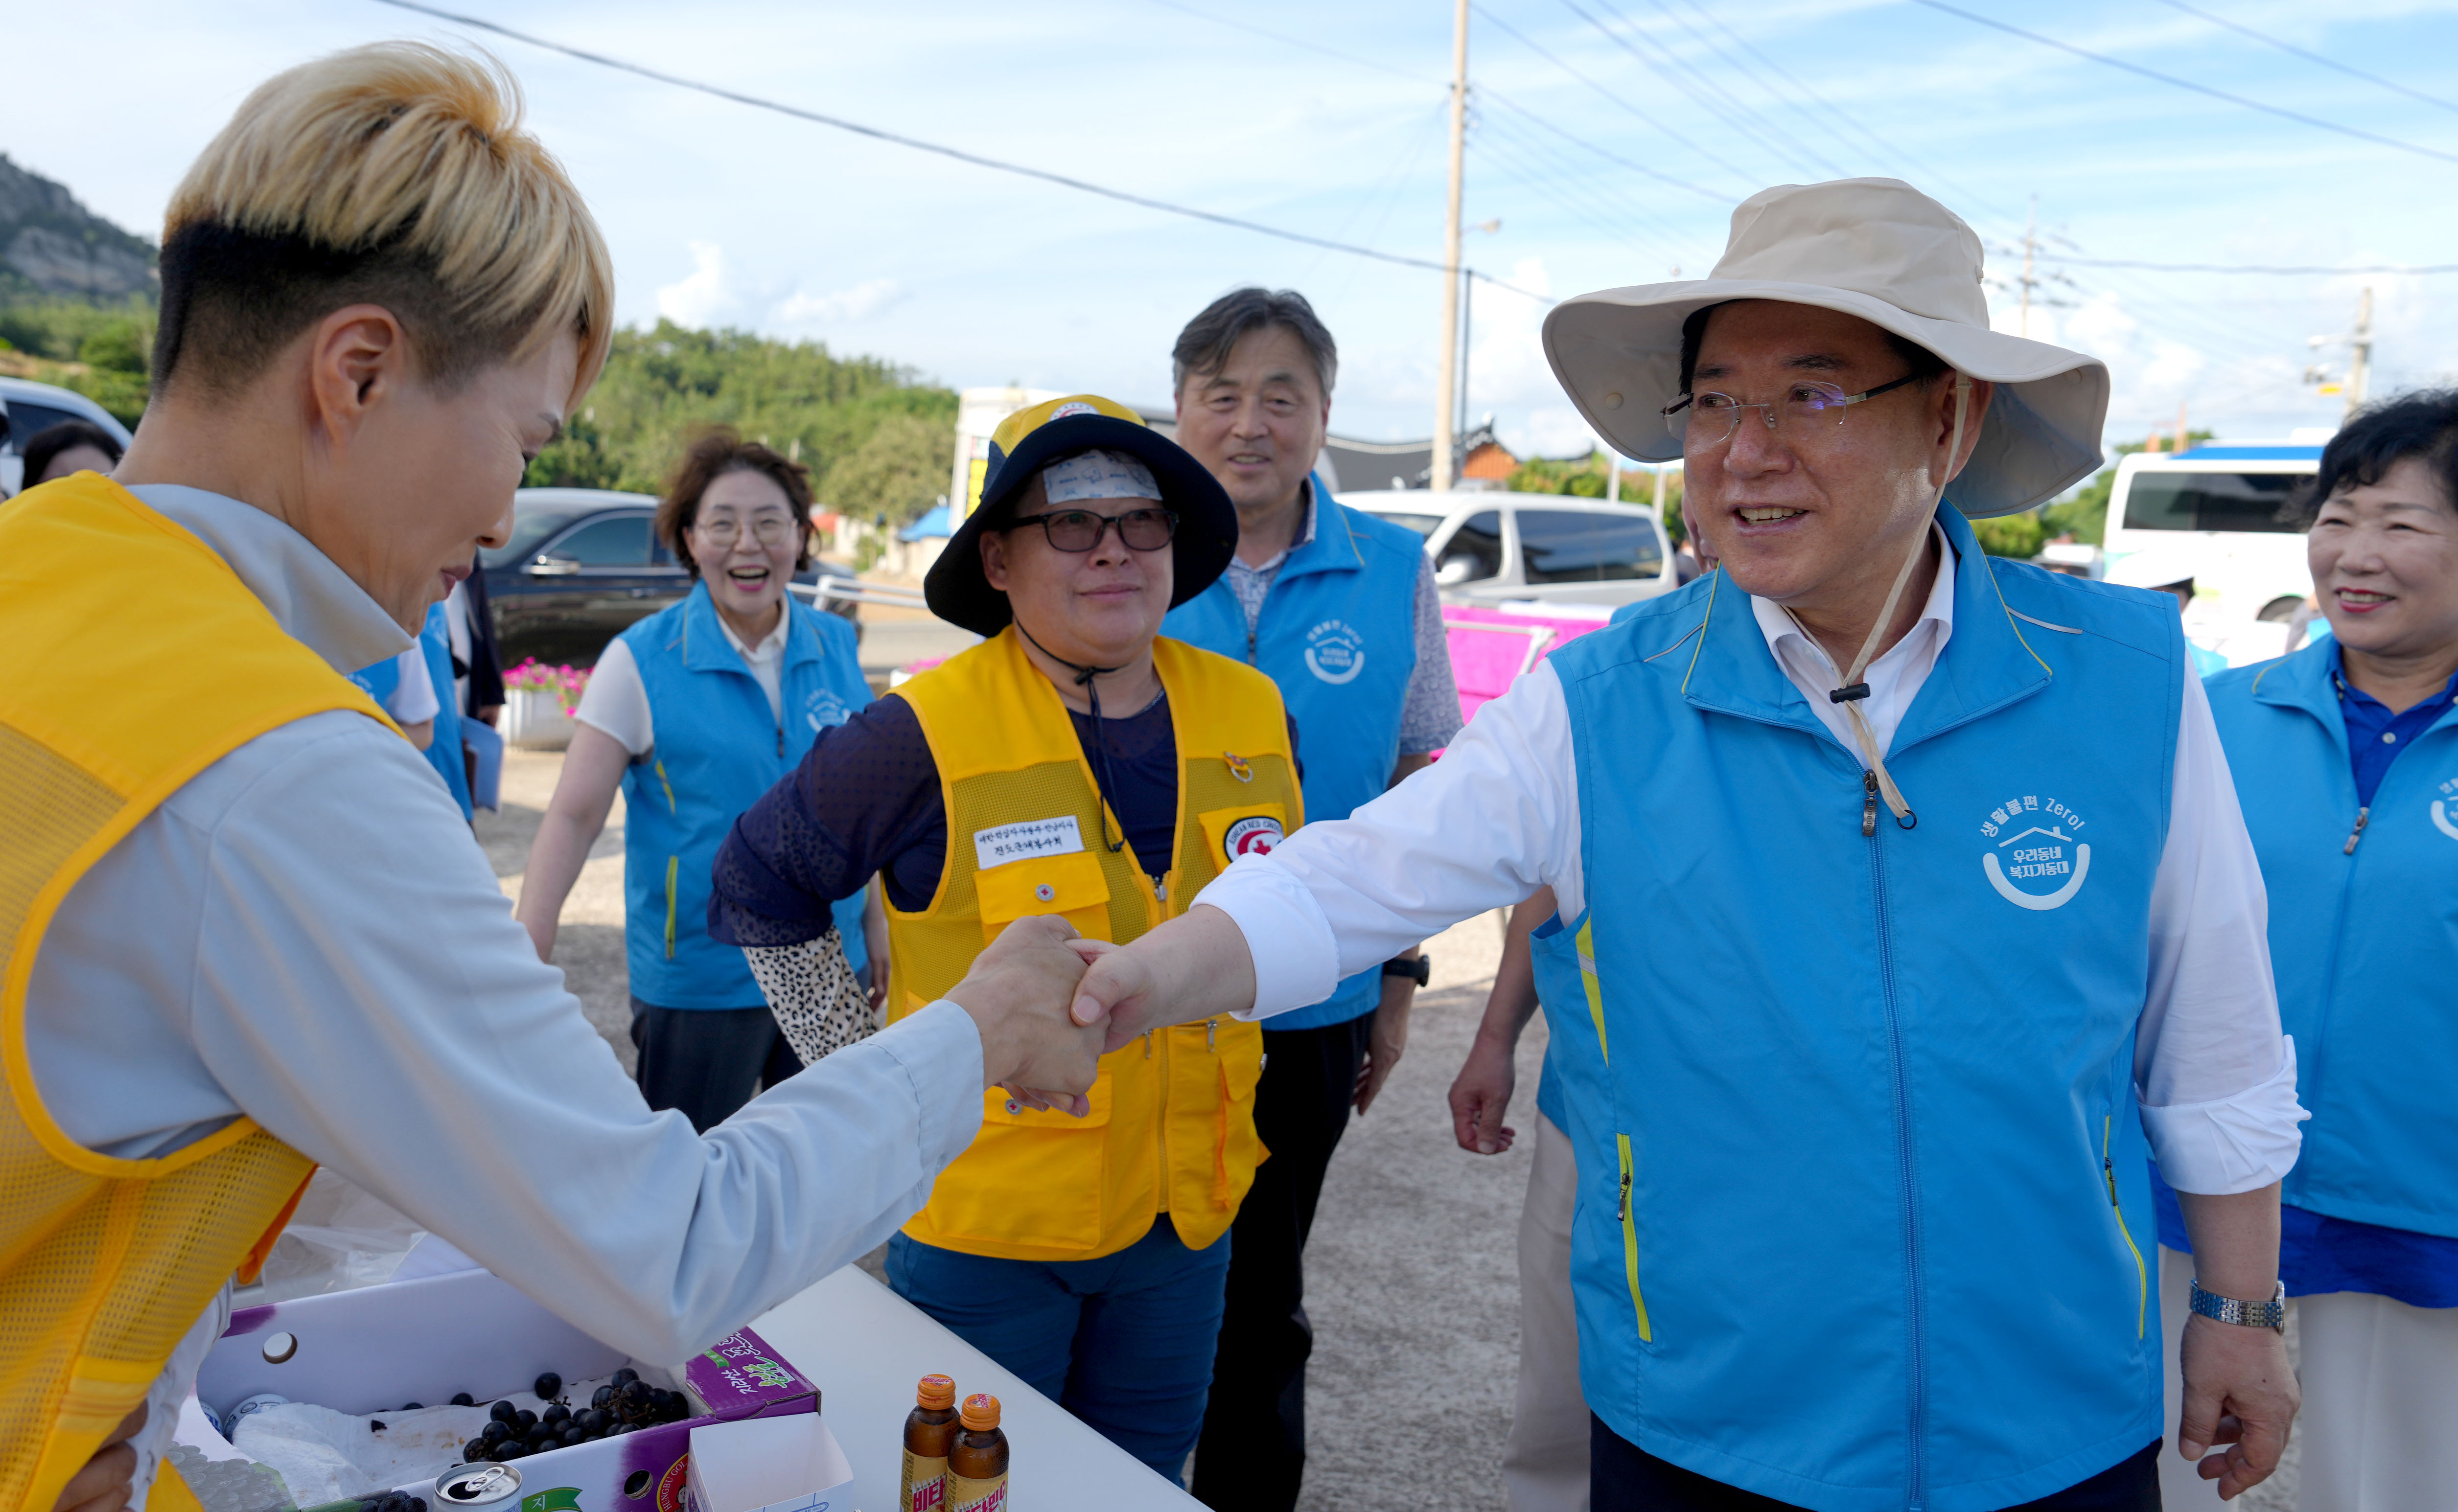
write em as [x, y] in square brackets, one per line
[1337, 634]
[719, 747]
[1881, 1082]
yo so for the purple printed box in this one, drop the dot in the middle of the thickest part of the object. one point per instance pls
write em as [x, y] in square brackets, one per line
[371, 1350]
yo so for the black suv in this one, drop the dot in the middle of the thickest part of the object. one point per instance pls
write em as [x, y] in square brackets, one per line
[583, 564]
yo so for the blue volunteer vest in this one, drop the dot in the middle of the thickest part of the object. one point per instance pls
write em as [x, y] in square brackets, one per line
[1338, 634]
[2363, 946]
[444, 752]
[1862, 1195]
[380, 681]
[717, 749]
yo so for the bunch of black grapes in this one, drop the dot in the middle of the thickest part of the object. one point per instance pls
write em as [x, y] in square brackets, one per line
[627, 1405]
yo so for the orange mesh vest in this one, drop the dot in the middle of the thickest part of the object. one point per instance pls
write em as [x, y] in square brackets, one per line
[110, 700]
[1173, 1123]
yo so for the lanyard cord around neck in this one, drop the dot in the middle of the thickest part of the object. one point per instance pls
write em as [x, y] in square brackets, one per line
[1851, 690]
[1084, 676]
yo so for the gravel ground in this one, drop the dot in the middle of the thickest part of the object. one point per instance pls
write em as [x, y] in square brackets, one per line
[1412, 1274]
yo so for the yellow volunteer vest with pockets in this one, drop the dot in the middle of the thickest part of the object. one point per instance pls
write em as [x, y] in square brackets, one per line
[135, 659]
[1172, 1127]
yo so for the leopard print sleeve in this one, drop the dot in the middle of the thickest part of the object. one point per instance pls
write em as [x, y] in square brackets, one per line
[811, 989]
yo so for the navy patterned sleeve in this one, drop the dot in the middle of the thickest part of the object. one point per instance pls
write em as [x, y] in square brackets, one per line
[866, 800]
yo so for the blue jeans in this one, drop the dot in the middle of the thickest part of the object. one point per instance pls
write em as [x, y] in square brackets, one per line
[1124, 1342]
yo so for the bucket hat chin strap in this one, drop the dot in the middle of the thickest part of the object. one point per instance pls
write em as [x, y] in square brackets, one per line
[1085, 673]
[1850, 691]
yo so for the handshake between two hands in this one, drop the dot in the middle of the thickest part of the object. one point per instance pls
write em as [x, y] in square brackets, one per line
[1050, 1003]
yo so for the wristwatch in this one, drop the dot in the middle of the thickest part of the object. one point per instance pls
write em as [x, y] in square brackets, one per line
[1419, 972]
[2271, 1315]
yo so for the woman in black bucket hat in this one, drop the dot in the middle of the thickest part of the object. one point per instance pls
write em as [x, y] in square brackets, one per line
[1074, 763]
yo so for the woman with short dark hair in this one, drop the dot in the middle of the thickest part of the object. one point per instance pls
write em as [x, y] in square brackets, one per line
[693, 713]
[2345, 759]
[66, 450]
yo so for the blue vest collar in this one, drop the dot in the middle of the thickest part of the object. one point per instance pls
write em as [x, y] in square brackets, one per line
[706, 648]
[1987, 662]
[1333, 548]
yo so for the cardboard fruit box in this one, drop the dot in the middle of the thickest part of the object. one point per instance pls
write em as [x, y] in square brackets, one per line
[370, 1351]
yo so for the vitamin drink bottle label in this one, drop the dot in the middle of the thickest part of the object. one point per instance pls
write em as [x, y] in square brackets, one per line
[924, 1487]
[967, 1495]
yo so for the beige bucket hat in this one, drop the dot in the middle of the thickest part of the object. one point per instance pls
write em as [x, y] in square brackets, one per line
[1876, 248]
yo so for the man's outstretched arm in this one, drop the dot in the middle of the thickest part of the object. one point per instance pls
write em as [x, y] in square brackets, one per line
[1492, 822]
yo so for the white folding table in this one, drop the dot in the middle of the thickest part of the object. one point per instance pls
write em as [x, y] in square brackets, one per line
[865, 1347]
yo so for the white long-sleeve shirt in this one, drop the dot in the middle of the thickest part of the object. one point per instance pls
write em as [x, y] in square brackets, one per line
[305, 934]
[1498, 817]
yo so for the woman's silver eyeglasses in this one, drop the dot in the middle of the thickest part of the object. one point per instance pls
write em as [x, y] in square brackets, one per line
[768, 530]
[1700, 422]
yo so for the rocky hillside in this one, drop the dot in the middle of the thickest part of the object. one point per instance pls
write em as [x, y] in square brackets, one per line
[52, 246]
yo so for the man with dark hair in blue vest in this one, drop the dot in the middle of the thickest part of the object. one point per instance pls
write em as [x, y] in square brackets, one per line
[1907, 897]
[1339, 609]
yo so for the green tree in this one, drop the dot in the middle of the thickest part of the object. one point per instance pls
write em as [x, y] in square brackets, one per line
[2019, 536]
[900, 471]
[663, 386]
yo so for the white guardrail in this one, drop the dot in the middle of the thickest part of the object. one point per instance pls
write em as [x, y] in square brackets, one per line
[853, 591]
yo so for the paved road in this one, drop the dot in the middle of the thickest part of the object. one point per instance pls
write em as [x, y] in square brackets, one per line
[1412, 1274]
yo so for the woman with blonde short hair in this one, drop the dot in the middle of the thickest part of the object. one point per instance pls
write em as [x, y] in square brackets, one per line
[246, 931]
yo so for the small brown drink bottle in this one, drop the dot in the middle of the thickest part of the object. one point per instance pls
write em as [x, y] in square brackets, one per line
[929, 1429]
[977, 1460]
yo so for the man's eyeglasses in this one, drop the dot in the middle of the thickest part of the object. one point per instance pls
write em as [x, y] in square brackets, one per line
[768, 530]
[1702, 422]
[1145, 529]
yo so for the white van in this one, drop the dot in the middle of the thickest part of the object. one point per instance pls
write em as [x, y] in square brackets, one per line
[1491, 548]
[2231, 511]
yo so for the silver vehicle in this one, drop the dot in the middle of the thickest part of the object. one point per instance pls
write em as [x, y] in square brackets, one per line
[31, 406]
[1489, 549]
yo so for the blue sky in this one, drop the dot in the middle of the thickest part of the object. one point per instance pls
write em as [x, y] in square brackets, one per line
[719, 213]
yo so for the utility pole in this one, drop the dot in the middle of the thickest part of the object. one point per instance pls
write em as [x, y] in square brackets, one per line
[2360, 358]
[2360, 362]
[2031, 246]
[1445, 392]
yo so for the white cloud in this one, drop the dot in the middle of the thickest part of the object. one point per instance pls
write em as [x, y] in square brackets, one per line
[844, 304]
[705, 295]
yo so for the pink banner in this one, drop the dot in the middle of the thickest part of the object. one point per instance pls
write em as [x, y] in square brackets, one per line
[1491, 648]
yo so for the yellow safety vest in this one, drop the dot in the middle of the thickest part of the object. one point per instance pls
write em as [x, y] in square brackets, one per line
[1172, 1127]
[134, 658]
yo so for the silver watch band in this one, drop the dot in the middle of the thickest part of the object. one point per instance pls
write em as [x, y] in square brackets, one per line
[2271, 1315]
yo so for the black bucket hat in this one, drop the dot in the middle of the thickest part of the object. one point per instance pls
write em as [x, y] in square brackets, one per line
[1029, 441]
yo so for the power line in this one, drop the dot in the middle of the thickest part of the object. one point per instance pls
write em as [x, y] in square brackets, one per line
[1530, 44]
[2222, 267]
[1711, 46]
[976, 160]
[2154, 74]
[1612, 157]
[1538, 165]
[1681, 79]
[2311, 56]
[1296, 42]
[1847, 118]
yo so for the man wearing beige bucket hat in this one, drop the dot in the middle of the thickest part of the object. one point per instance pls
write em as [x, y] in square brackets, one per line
[1861, 1200]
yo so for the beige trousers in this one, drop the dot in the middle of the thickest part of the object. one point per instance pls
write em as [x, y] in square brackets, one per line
[1544, 1459]
[2381, 1393]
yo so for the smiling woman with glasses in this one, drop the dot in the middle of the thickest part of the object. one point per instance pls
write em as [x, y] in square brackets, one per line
[692, 713]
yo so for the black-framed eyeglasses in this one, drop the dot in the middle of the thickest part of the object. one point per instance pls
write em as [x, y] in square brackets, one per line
[1145, 529]
[1707, 420]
